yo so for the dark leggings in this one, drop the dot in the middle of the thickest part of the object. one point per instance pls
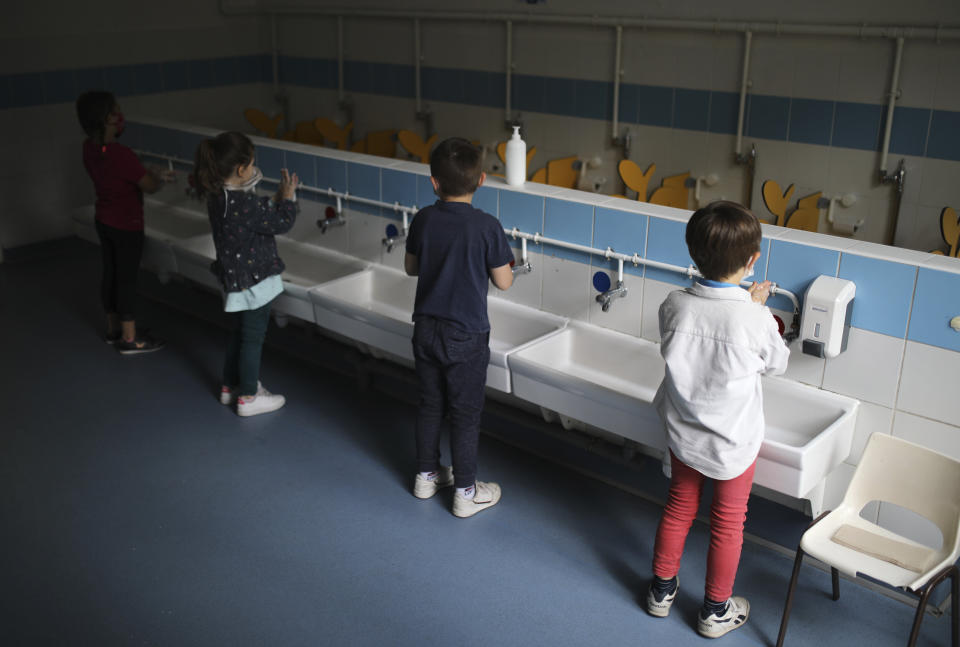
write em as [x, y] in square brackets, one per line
[241, 367]
[121, 252]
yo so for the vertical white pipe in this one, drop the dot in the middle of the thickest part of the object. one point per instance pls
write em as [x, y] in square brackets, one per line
[340, 58]
[523, 251]
[275, 53]
[416, 61]
[509, 65]
[744, 82]
[616, 84]
[894, 91]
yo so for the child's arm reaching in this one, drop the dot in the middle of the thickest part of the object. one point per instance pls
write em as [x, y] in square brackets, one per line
[278, 217]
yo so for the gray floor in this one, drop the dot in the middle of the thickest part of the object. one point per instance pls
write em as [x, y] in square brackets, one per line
[138, 511]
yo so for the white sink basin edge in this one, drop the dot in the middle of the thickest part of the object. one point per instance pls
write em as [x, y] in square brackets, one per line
[608, 380]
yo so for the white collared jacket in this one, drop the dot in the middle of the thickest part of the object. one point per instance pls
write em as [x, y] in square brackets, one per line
[716, 343]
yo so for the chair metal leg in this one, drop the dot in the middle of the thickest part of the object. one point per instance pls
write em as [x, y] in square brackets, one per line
[790, 591]
[952, 573]
[955, 605]
[835, 576]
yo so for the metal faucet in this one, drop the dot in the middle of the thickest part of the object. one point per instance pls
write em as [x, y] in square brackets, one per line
[522, 268]
[390, 241]
[606, 298]
[334, 220]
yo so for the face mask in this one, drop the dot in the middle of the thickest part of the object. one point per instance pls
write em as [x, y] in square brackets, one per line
[119, 124]
[749, 272]
[250, 184]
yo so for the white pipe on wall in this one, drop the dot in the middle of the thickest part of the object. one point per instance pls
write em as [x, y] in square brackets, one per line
[616, 84]
[744, 84]
[617, 73]
[340, 58]
[715, 26]
[275, 54]
[508, 117]
[892, 99]
[416, 62]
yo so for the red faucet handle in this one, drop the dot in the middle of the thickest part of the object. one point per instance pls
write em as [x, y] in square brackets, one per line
[330, 213]
[513, 262]
[780, 325]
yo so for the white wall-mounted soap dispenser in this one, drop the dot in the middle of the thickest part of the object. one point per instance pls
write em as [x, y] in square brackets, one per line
[827, 306]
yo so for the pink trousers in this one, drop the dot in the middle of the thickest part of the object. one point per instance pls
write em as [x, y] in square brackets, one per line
[727, 514]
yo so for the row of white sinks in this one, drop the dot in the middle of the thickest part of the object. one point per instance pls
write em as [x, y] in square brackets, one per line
[582, 371]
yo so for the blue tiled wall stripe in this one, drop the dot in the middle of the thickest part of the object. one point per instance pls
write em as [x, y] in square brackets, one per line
[933, 308]
[826, 123]
[62, 86]
[894, 299]
[884, 293]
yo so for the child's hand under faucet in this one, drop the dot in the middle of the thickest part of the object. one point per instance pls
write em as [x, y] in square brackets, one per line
[760, 292]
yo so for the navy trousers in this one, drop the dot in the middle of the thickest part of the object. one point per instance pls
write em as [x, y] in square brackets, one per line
[452, 367]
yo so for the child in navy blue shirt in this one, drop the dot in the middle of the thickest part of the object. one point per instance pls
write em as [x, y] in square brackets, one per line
[454, 250]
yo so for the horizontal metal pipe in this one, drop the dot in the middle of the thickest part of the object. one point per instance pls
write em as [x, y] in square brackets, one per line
[636, 259]
[716, 26]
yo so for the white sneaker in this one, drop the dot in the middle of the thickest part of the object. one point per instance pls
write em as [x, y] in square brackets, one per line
[485, 495]
[714, 626]
[262, 402]
[227, 395]
[424, 488]
[660, 606]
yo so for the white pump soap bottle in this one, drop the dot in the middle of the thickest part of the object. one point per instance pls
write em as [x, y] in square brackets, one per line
[516, 158]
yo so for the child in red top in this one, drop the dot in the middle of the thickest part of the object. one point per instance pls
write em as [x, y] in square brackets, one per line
[120, 181]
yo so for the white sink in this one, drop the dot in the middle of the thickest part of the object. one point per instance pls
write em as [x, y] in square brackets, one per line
[608, 379]
[375, 307]
[306, 266]
[163, 225]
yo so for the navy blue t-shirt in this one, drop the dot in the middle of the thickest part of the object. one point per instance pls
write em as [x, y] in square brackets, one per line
[456, 246]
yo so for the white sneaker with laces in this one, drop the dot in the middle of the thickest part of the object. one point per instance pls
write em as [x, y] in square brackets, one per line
[735, 616]
[661, 607]
[424, 488]
[262, 402]
[485, 495]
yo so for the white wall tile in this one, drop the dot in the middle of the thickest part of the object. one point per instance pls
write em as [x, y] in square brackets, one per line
[938, 185]
[365, 234]
[565, 285]
[930, 383]
[871, 419]
[947, 90]
[800, 367]
[654, 293]
[928, 433]
[865, 68]
[527, 288]
[868, 370]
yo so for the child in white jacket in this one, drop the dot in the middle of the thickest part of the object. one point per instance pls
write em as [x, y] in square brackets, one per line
[718, 339]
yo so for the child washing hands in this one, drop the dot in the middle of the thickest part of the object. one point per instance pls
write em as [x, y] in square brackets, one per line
[248, 266]
[717, 341]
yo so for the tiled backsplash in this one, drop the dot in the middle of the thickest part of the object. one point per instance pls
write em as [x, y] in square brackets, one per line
[903, 357]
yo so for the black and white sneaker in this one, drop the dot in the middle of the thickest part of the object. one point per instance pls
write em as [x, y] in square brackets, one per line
[659, 602]
[139, 345]
[733, 616]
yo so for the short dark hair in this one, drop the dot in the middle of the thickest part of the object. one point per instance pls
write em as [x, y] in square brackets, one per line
[721, 238]
[93, 109]
[456, 165]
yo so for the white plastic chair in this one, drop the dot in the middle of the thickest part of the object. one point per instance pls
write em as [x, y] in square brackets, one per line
[913, 477]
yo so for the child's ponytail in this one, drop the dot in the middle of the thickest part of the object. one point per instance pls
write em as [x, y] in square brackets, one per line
[217, 158]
